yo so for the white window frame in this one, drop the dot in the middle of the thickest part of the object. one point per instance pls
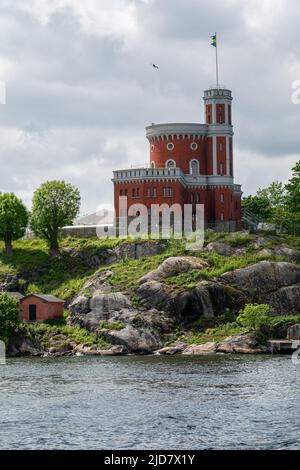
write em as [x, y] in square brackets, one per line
[170, 161]
[198, 167]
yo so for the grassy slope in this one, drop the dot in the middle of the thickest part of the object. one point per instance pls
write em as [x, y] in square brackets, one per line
[64, 277]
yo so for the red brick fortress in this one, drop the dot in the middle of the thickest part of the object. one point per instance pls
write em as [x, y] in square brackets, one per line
[189, 164]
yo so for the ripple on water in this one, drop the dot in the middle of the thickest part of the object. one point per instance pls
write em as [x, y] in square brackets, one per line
[150, 402]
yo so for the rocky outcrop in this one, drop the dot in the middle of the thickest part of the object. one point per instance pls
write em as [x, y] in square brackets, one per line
[136, 340]
[176, 348]
[287, 252]
[174, 266]
[133, 250]
[113, 318]
[293, 333]
[244, 343]
[153, 294]
[277, 284]
[23, 344]
[263, 277]
[9, 283]
[98, 283]
[89, 311]
[200, 349]
[221, 248]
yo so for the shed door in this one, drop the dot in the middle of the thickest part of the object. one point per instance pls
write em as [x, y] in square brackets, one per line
[32, 312]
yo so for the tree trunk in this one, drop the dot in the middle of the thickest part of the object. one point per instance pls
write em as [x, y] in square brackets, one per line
[54, 250]
[8, 248]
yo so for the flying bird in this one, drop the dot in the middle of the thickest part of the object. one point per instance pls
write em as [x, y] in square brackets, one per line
[155, 66]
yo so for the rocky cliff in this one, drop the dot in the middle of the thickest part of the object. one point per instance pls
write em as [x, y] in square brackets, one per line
[140, 295]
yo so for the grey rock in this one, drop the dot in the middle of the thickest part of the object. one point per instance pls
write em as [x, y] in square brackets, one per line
[289, 253]
[243, 343]
[201, 349]
[285, 301]
[9, 283]
[152, 294]
[219, 247]
[140, 340]
[174, 266]
[176, 348]
[293, 333]
[98, 283]
[263, 277]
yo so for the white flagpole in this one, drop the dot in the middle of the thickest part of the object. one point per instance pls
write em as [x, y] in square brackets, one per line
[217, 62]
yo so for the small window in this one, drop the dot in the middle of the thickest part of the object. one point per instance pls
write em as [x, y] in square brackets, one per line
[194, 146]
[221, 169]
[168, 192]
[222, 216]
[152, 148]
[170, 146]
[221, 147]
[222, 197]
[197, 198]
[133, 193]
[170, 164]
[154, 192]
[149, 192]
[194, 167]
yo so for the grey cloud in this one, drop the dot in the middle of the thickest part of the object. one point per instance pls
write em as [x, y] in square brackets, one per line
[78, 103]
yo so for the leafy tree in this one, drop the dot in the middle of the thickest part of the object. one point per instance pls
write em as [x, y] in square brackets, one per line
[276, 195]
[55, 204]
[254, 316]
[9, 315]
[259, 206]
[13, 220]
[293, 190]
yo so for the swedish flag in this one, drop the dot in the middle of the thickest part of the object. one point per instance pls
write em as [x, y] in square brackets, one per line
[214, 40]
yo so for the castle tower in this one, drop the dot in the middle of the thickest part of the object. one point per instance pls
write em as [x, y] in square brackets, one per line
[218, 117]
[190, 163]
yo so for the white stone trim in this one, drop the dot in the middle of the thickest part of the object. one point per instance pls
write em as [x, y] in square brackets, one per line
[214, 146]
[227, 156]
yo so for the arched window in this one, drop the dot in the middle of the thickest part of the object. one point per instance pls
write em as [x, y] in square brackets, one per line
[194, 167]
[152, 165]
[170, 164]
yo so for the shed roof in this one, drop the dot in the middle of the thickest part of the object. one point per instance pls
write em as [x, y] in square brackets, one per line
[46, 297]
[16, 295]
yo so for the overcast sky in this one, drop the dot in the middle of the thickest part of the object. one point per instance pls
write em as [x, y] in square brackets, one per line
[80, 87]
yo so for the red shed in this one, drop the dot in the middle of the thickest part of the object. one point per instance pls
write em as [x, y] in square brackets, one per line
[38, 307]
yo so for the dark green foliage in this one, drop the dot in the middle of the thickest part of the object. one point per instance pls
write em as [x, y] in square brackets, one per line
[13, 220]
[55, 204]
[9, 316]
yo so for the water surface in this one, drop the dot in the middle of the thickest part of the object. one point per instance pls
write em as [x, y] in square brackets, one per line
[154, 402]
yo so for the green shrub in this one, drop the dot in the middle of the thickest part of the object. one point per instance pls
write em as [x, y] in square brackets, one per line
[255, 316]
[111, 325]
[9, 316]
